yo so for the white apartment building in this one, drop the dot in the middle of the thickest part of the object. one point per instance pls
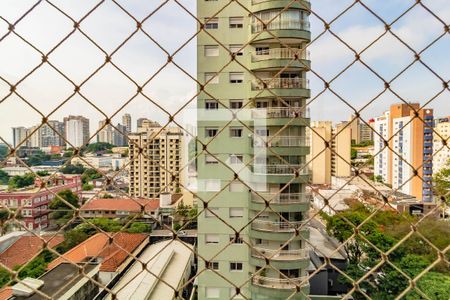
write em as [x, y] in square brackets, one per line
[76, 131]
[381, 125]
[441, 153]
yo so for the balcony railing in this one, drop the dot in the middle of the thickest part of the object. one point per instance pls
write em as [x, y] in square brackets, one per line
[279, 112]
[280, 283]
[277, 24]
[277, 254]
[279, 169]
[282, 198]
[261, 1]
[280, 141]
[280, 83]
[280, 53]
[264, 225]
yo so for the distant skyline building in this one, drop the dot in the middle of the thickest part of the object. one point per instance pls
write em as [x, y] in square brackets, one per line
[51, 134]
[328, 162]
[105, 133]
[126, 121]
[76, 131]
[441, 153]
[158, 168]
[19, 135]
[360, 131]
[410, 141]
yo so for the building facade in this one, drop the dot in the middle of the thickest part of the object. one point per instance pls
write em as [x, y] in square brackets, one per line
[403, 149]
[126, 121]
[441, 153]
[158, 168]
[333, 160]
[20, 134]
[76, 131]
[34, 201]
[240, 167]
[51, 134]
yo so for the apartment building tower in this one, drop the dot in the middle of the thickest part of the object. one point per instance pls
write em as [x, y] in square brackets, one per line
[157, 168]
[403, 148]
[126, 121]
[441, 153]
[51, 134]
[76, 131]
[327, 162]
[20, 134]
[241, 167]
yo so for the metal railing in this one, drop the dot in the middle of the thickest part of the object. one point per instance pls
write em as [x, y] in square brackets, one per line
[280, 25]
[281, 141]
[275, 226]
[277, 254]
[280, 83]
[282, 198]
[279, 112]
[280, 283]
[280, 53]
[279, 169]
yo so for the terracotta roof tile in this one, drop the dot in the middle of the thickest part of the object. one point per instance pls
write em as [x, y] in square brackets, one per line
[6, 293]
[25, 248]
[123, 204]
[98, 246]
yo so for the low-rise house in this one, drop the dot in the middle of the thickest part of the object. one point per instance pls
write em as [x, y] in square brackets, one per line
[113, 208]
[34, 201]
[113, 255]
[21, 250]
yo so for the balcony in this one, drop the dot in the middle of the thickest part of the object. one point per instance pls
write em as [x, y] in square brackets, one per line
[277, 24]
[280, 83]
[282, 198]
[272, 226]
[280, 141]
[279, 169]
[281, 53]
[279, 113]
[280, 283]
[280, 255]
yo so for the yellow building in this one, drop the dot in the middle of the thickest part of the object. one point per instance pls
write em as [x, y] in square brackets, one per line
[157, 168]
[333, 160]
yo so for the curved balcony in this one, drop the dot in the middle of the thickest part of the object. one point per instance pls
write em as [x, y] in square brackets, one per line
[286, 169]
[260, 5]
[282, 198]
[281, 141]
[273, 30]
[280, 113]
[280, 255]
[276, 58]
[273, 226]
[280, 283]
[280, 87]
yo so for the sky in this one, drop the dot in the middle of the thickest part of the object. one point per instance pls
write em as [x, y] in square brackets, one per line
[140, 58]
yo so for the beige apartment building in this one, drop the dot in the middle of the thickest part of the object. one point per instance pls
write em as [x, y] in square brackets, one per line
[441, 153]
[158, 168]
[333, 160]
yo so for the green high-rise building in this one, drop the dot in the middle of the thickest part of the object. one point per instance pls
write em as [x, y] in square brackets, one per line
[252, 120]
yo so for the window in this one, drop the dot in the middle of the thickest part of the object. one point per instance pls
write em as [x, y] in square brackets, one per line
[236, 132]
[215, 265]
[211, 238]
[237, 49]
[236, 22]
[262, 50]
[212, 78]
[234, 240]
[212, 185]
[209, 159]
[236, 77]
[236, 159]
[211, 23]
[212, 292]
[211, 104]
[236, 212]
[212, 50]
[236, 266]
[236, 104]
[211, 132]
[236, 186]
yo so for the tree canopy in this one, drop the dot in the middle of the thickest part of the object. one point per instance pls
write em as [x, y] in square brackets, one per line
[17, 182]
[442, 182]
[61, 210]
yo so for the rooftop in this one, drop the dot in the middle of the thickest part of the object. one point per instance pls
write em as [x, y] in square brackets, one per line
[121, 204]
[26, 247]
[112, 255]
[167, 260]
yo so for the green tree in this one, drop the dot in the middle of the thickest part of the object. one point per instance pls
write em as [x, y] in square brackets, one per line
[4, 177]
[98, 147]
[43, 173]
[442, 182]
[87, 187]
[73, 169]
[17, 182]
[71, 239]
[3, 151]
[61, 211]
[38, 158]
[36, 267]
[90, 174]
[5, 277]
[4, 217]
[354, 154]
[138, 227]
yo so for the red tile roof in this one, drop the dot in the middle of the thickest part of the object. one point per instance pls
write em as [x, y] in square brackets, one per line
[123, 204]
[98, 246]
[25, 248]
[6, 293]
